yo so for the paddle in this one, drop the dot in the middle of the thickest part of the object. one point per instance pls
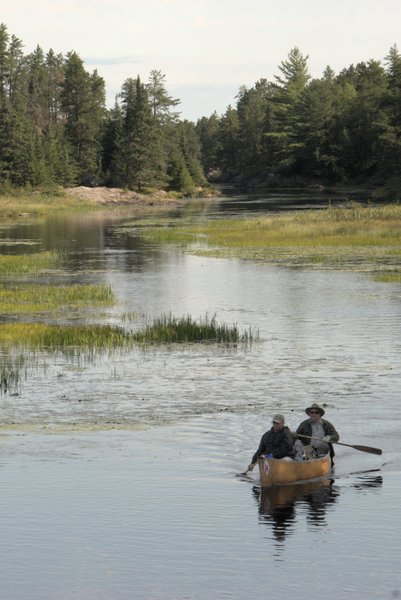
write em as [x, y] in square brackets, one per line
[368, 449]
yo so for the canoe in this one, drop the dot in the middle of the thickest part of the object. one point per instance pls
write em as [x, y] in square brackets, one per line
[276, 471]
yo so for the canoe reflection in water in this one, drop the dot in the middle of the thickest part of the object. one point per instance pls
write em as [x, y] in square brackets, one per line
[276, 505]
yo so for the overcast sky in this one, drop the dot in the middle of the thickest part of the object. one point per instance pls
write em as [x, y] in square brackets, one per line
[206, 48]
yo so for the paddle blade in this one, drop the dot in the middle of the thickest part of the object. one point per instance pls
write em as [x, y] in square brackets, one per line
[368, 449]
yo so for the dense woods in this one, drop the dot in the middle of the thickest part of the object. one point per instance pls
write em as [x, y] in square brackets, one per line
[55, 127]
[343, 128]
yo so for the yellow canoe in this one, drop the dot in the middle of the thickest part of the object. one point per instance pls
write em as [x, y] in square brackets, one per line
[276, 471]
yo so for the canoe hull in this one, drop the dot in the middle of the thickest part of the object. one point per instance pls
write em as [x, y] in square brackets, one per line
[274, 471]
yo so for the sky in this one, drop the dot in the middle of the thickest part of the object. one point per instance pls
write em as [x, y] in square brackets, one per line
[207, 49]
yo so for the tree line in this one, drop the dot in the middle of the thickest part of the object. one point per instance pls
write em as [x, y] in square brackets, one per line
[334, 129]
[55, 127]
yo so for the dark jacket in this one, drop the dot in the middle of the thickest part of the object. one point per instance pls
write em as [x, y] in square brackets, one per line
[278, 443]
[305, 428]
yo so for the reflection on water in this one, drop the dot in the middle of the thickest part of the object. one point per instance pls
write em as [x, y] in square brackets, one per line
[117, 472]
[281, 508]
[364, 482]
[277, 505]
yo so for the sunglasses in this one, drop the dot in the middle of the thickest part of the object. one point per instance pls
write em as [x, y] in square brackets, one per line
[314, 412]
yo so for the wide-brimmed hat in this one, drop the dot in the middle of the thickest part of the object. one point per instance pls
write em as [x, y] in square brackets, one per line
[314, 407]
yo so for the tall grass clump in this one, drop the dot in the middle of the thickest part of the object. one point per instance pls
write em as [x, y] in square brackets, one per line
[169, 329]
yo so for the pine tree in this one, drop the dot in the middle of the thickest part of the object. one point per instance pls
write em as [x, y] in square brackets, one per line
[82, 102]
[135, 164]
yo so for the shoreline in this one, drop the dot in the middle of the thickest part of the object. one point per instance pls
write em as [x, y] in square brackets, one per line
[121, 197]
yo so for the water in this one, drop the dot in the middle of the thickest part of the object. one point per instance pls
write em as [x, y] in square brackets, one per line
[119, 475]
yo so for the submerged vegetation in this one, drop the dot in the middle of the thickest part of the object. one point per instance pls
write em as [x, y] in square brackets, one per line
[336, 236]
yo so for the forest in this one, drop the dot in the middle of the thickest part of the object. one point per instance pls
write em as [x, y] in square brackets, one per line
[339, 129]
[55, 127]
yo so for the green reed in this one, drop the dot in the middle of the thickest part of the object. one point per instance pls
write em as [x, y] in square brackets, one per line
[42, 336]
[169, 329]
[94, 338]
[21, 298]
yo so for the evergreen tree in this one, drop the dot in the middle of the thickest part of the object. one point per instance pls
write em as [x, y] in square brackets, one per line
[228, 151]
[287, 91]
[207, 129]
[134, 160]
[82, 101]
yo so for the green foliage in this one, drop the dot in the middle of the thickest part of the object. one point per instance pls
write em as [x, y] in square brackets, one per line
[343, 128]
[55, 129]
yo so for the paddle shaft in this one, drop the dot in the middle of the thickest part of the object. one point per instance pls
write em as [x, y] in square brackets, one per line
[368, 449]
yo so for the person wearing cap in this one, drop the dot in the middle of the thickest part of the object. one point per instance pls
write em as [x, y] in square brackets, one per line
[275, 443]
[317, 427]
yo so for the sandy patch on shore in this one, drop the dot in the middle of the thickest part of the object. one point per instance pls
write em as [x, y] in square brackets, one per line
[120, 197]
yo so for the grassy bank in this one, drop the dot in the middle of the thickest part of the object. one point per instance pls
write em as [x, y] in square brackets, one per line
[23, 299]
[21, 203]
[345, 236]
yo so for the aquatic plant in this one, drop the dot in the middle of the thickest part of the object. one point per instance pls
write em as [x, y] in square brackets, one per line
[165, 329]
[42, 336]
[392, 277]
[170, 329]
[16, 299]
[335, 236]
[28, 263]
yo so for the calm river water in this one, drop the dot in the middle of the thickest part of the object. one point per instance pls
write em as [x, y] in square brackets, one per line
[119, 472]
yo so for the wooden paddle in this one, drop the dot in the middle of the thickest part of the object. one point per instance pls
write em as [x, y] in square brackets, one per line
[368, 449]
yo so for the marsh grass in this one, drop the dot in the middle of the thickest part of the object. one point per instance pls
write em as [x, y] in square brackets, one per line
[394, 277]
[97, 338]
[68, 338]
[335, 236]
[169, 329]
[33, 298]
[31, 264]
[20, 203]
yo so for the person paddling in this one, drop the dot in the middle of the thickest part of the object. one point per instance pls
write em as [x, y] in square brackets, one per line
[275, 443]
[317, 427]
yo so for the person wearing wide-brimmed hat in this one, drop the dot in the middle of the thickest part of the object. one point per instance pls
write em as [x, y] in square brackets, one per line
[317, 427]
[276, 443]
